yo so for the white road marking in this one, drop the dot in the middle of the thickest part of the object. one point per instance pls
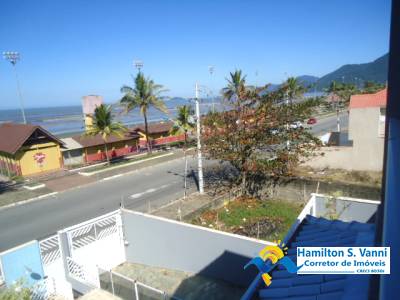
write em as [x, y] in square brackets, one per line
[148, 191]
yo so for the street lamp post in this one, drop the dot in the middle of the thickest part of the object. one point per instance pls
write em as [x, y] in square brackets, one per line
[211, 70]
[138, 64]
[199, 156]
[13, 57]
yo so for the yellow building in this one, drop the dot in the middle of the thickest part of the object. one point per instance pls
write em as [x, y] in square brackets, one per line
[94, 150]
[28, 150]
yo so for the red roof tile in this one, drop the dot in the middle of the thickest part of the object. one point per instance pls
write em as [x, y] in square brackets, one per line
[378, 99]
[13, 136]
[90, 141]
[155, 127]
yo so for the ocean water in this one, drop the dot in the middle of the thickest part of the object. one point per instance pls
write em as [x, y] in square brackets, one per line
[69, 119]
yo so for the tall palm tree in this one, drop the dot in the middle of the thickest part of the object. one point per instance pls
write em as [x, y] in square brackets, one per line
[143, 95]
[184, 123]
[104, 125]
[293, 89]
[236, 87]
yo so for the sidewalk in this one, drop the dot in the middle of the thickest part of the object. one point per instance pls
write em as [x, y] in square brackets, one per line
[15, 193]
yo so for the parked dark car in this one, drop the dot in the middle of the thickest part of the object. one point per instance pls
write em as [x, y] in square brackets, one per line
[311, 121]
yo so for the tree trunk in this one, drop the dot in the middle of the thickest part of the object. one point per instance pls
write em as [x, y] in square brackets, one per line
[105, 148]
[146, 129]
[244, 188]
[185, 140]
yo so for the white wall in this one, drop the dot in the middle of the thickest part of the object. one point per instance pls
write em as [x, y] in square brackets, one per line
[174, 245]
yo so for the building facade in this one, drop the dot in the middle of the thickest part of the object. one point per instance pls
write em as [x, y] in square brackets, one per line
[159, 135]
[28, 150]
[93, 148]
[72, 152]
[367, 128]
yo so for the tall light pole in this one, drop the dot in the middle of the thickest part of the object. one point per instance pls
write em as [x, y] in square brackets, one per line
[211, 70]
[13, 57]
[286, 96]
[199, 158]
[256, 73]
[138, 64]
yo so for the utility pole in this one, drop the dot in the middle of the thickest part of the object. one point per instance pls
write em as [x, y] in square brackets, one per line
[337, 115]
[13, 57]
[199, 158]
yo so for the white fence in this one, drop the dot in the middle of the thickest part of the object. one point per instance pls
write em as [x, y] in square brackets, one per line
[83, 273]
[50, 249]
[50, 288]
[128, 288]
[96, 242]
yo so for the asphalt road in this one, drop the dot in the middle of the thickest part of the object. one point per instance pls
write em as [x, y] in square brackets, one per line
[147, 188]
[154, 186]
[328, 124]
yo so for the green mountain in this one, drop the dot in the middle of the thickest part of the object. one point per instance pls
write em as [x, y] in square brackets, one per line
[307, 80]
[358, 73]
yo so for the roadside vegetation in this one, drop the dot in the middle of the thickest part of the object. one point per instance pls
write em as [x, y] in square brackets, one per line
[264, 219]
[258, 135]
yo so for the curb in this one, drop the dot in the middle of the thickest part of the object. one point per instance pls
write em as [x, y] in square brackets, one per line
[27, 201]
[134, 171]
[35, 187]
[124, 165]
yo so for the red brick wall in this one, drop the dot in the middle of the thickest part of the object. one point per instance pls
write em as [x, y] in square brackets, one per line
[111, 154]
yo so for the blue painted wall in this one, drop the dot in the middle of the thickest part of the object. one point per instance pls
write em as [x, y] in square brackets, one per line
[23, 262]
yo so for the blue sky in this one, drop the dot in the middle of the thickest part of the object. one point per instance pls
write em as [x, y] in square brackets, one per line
[74, 48]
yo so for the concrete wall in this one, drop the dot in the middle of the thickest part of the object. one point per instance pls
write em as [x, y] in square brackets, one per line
[300, 189]
[169, 244]
[73, 157]
[368, 142]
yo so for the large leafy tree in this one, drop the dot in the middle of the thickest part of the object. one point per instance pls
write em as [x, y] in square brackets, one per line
[253, 136]
[371, 87]
[143, 95]
[342, 90]
[104, 125]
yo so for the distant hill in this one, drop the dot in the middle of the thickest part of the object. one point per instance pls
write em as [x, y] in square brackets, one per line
[307, 80]
[374, 71]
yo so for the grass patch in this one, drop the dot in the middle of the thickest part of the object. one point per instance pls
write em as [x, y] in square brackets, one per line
[267, 219]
